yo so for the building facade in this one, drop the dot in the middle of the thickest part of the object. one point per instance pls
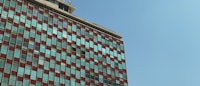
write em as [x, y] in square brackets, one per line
[43, 44]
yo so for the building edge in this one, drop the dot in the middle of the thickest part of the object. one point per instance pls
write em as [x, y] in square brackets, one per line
[64, 13]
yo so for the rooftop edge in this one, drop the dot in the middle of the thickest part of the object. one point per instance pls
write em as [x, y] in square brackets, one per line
[62, 12]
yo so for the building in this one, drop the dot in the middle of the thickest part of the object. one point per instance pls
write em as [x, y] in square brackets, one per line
[43, 44]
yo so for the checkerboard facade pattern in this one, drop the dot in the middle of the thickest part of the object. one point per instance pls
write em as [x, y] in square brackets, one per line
[39, 47]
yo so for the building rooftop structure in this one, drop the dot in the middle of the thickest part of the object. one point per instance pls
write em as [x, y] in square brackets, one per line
[54, 5]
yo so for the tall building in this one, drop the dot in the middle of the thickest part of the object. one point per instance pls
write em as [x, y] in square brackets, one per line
[43, 44]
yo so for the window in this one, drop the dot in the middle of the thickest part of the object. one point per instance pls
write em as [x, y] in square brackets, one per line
[51, 76]
[20, 71]
[72, 82]
[18, 8]
[6, 3]
[74, 49]
[2, 63]
[55, 20]
[45, 78]
[4, 49]
[51, 0]
[2, 25]
[63, 7]
[10, 13]
[33, 75]
[35, 12]
[8, 25]
[45, 17]
[12, 80]
[39, 73]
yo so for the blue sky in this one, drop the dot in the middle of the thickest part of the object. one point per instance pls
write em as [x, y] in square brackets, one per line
[162, 37]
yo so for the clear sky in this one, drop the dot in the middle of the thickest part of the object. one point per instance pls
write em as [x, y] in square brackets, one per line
[162, 37]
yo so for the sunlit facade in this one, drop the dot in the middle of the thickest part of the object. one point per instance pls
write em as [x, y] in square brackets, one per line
[43, 46]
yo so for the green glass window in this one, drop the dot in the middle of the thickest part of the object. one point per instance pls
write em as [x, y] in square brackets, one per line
[59, 35]
[22, 18]
[54, 30]
[99, 47]
[20, 71]
[46, 65]
[82, 31]
[51, 76]
[82, 61]
[83, 41]
[42, 48]
[33, 75]
[78, 31]
[43, 37]
[82, 83]
[6, 3]
[19, 83]
[26, 34]
[44, 26]
[62, 67]
[14, 30]
[87, 35]
[2, 63]
[12, 3]
[2, 25]
[18, 8]
[1, 37]
[87, 66]
[37, 38]
[50, 20]
[39, 73]
[49, 31]
[59, 24]
[78, 74]
[91, 64]
[27, 69]
[65, 24]
[58, 57]
[4, 49]
[10, 13]
[29, 12]
[69, 28]
[40, 16]
[57, 68]
[96, 69]
[21, 29]
[24, 8]
[12, 80]
[67, 71]
[32, 33]
[91, 44]
[48, 42]
[53, 52]
[10, 54]
[55, 20]
[56, 80]
[99, 37]
[34, 22]
[87, 44]
[1, 1]
[45, 78]
[73, 82]
[74, 28]
[4, 81]
[17, 53]
[52, 63]
[95, 48]
[73, 70]
[8, 25]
